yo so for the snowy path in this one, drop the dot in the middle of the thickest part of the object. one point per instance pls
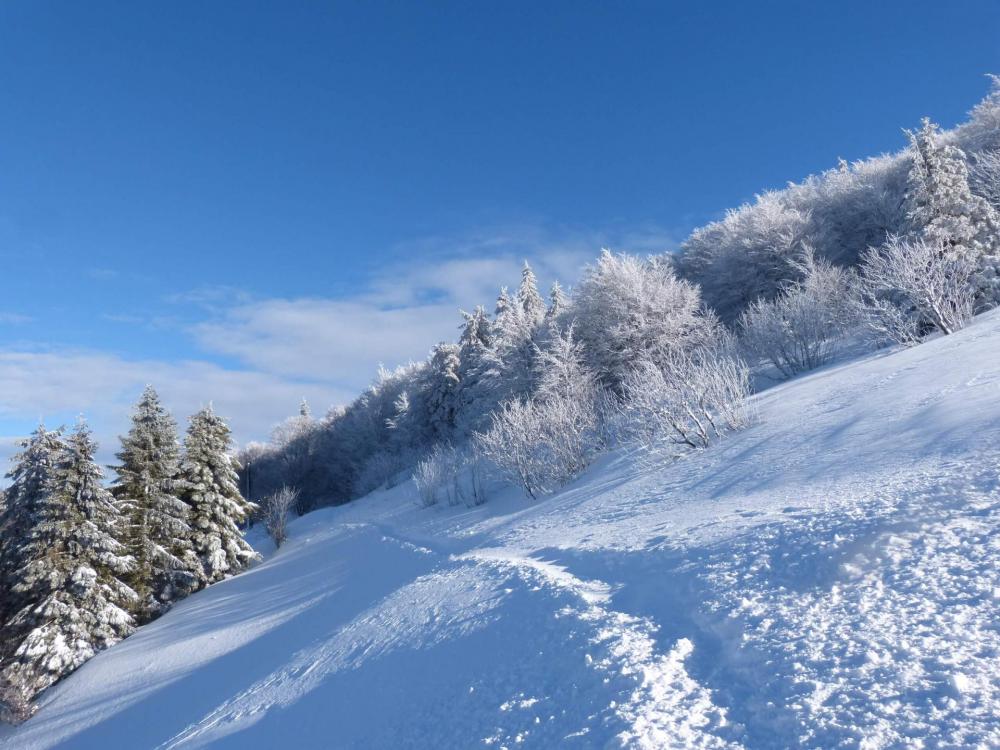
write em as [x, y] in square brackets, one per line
[828, 578]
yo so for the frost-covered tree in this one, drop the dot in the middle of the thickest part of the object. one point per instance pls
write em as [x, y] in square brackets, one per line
[531, 302]
[158, 537]
[74, 602]
[628, 310]
[984, 176]
[909, 286]
[745, 256]
[209, 486]
[506, 369]
[474, 343]
[439, 391]
[558, 304]
[943, 211]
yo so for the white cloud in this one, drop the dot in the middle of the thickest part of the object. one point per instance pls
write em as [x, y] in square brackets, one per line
[58, 385]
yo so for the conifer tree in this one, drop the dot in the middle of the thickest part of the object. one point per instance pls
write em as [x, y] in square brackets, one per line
[73, 601]
[159, 537]
[473, 344]
[943, 211]
[557, 303]
[531, 302]
[31, 480]
[440, 390]
[210, 487]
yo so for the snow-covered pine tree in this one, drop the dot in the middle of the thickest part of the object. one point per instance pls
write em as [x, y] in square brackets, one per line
[473, 344]
[159, 537]
[439, 393]
[209, 486]
[558, 302]
[531, 302]
[74, 602]
[31, 480]
[304, 411]
[943, 211]
[514, 328]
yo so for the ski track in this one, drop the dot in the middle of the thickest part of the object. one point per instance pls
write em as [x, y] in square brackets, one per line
[829, 578]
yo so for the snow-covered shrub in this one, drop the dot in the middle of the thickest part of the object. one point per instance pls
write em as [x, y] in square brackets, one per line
[540, 445]
[910, 286]
[275, 509]
[690, 401]
[429, 476]
[452, 473]
[800, 329]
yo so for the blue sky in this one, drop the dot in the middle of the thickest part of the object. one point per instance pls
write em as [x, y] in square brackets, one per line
[249, 202]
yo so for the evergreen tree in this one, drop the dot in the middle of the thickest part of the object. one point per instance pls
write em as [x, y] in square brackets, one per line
[74, 602]
[531, 302]
[159, 537]
[210, 487]
[440, 390]
[558, 303]
[473, 344]
[508, 363]
[943, 211]
[31, 480]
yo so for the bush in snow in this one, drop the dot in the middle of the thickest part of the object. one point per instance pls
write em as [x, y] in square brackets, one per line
[275, 509]
[429, 475]
[449, 472]
[799, 330]
[542, 442]
[910, 286]
[691, 400]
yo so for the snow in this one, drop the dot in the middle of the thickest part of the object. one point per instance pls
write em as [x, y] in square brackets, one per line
[827, 578]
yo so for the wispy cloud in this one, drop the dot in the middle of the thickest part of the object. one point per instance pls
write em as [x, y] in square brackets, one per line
[9, 318]
[58, 385]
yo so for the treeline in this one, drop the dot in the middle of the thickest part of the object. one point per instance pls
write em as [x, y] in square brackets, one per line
[660, 349]
[82, 564]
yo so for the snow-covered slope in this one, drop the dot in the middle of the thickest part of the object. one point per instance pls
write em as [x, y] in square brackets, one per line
[827, 578]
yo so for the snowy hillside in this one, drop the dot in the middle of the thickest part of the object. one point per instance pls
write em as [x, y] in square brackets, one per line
[827, 578]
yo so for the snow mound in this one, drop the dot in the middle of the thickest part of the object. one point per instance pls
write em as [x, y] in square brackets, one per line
[827, 578]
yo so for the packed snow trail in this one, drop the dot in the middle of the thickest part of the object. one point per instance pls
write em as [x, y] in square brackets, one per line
[827, 578]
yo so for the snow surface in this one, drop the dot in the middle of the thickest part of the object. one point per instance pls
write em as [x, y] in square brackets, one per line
[828, 578]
